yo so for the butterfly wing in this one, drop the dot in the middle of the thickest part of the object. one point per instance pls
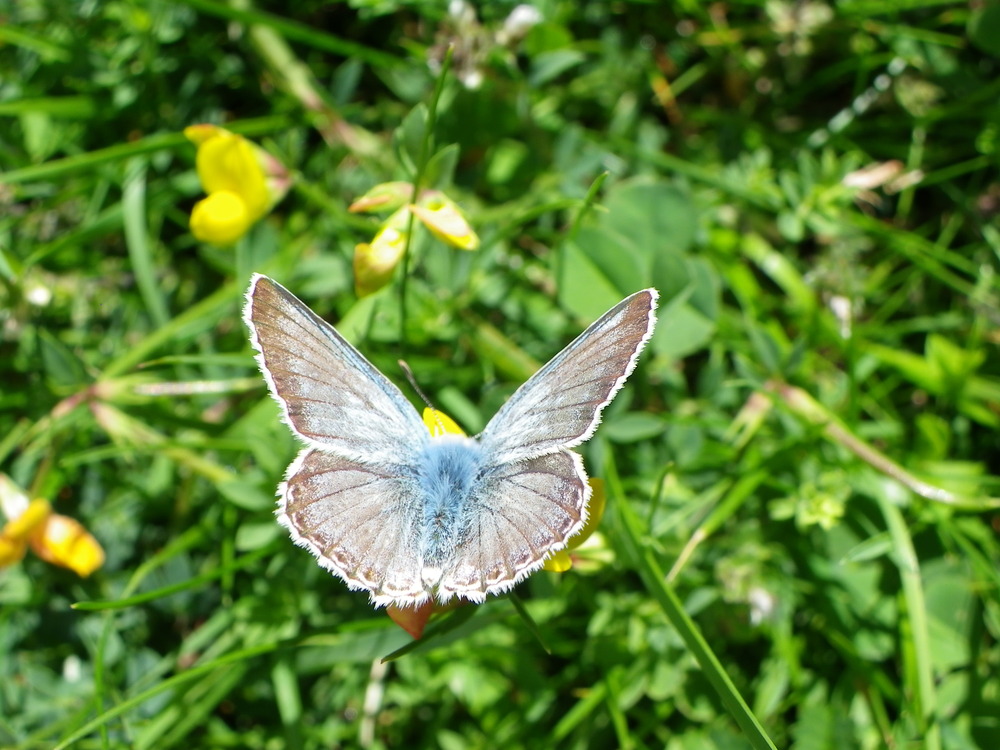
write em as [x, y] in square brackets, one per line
[359, 520]
[332, 397]
[350, 498]
[533, 493]
[560, 405]
[518, 514]
[353, 496]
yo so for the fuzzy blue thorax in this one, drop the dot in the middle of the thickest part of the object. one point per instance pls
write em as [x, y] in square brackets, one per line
[449, 468]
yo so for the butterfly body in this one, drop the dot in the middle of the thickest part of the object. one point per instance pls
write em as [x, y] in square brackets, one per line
[450, 467]
[406, 516]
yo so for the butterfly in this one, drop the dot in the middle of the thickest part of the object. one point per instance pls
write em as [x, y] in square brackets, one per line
[406, 516]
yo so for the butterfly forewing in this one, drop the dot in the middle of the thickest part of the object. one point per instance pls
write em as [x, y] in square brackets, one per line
[332, 396]
[560, 405]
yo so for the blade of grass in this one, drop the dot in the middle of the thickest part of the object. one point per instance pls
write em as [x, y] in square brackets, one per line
[937, 262]
[48, 51]
[584, 208]
[806, 407]
[917, 647]
[298, 32]
[613, 702]
[529, 621]
[591, 699]
[426, 144]
[71, 107]
[734, 498]
[491, 344]
[200, 316]
[288, 698]
[58, 168]
[655, 582]
[137, 241]
[175, 588]
[438, 629]
[168, 684]
[294, 76]
[188, 710]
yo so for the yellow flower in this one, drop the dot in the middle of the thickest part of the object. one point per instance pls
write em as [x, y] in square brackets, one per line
[63, 541]
[11, 550]
[375, 261]
[446, 222]
[57, 539]
[562, 561]
[242, 180]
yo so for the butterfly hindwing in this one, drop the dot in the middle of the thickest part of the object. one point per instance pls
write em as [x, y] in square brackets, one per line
[359, 520]
[518, 514]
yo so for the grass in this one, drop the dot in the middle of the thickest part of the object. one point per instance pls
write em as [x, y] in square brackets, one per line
[800, 546]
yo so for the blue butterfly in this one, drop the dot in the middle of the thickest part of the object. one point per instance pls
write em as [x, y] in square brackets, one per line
[406, 516]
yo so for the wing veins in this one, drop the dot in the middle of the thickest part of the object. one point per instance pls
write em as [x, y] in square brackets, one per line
[548, 498]
[567, 406]
[328, 495]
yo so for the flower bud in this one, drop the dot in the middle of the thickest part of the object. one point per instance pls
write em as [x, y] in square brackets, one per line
[387, 196]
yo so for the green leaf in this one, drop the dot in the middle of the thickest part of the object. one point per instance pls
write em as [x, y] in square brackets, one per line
[408, 138]
[62, 367]
[548, 65]
[246, 495]
[633, 427]
[440, 169]
[984, 28]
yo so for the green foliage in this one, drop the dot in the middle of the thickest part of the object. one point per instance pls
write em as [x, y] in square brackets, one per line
[800, 541]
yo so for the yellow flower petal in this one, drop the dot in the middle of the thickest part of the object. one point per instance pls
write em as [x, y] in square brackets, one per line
[201, 132]
[221, 218]
[63, 541]
[250, 180]
[560, 562]
[446, 222]
[228, 162]
[439, 423]
[35, 515]
[11, 550]
[374, 262]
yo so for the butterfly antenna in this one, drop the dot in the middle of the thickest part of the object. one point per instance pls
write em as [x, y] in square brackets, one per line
[413, 383]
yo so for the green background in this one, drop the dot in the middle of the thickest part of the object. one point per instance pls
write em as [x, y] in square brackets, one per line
[801, 473]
